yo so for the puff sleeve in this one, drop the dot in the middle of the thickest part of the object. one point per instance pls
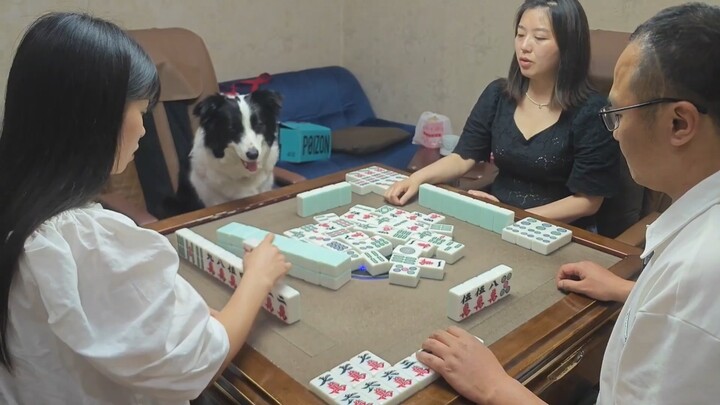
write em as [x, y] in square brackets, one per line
[475, 140]
[113, 296]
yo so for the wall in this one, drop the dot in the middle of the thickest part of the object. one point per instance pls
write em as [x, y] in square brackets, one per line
[438, 55]
[410, 55]
[244, 37]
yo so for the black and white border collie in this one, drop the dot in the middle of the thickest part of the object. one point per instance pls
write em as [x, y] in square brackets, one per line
[234, 152]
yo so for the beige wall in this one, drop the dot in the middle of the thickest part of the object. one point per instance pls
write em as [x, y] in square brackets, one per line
[244, 37]
[410, 55]
[431, 55]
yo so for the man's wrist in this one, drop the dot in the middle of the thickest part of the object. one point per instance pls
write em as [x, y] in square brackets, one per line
[623, 290]
[498, 393]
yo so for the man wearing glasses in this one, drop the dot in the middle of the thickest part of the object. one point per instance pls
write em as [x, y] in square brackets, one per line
[665, 347]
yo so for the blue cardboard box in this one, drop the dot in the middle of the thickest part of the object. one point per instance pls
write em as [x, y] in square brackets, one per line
[304, 142]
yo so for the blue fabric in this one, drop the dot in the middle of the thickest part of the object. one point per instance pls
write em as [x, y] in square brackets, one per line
[330, 96]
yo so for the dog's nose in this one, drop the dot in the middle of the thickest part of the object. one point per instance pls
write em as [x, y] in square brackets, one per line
[252, 154]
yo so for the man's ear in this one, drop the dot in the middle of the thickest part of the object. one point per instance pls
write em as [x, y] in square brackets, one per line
[686, 120]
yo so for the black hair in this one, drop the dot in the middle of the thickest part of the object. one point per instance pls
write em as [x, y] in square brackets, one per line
[572, 33]
[67, 89]
[670, 66]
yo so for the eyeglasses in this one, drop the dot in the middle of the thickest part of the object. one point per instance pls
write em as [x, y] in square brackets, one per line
[611, 118]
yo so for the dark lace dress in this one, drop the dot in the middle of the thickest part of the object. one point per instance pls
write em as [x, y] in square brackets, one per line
[574, 155]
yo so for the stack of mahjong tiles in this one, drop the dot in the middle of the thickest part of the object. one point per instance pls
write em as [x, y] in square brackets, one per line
[372, 179]
[310, 262]
[537, 235]
[465, 208]
[407, 245]
[368, 379]
[282, 301]
[478, 292]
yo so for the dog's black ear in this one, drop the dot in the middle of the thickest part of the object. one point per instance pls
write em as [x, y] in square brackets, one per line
[269, 99]
[209, 105]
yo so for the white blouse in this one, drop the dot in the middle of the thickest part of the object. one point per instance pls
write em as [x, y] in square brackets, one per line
[99, 315]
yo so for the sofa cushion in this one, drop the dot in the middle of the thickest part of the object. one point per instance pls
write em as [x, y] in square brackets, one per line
[365, 140]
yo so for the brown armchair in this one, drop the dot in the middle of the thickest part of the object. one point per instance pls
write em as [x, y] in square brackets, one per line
[635, 205]
[186, 76]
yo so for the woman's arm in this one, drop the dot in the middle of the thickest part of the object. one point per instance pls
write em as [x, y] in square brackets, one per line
[448, 168]
[263, 267]
[570, 208]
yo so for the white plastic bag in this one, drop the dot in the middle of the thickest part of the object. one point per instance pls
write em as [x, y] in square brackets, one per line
[430, 129]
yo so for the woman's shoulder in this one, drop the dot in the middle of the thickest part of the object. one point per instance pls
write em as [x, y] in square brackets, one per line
[92, 212]
[497, 86]
[596, 99]
[81, 223]
[590, 108]
[494, 91]
[593, 103]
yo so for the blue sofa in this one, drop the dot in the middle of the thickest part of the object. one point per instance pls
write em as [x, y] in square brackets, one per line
[329, 96]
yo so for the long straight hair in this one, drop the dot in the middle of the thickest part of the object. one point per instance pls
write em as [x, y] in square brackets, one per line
[572, 33]
[66, 95]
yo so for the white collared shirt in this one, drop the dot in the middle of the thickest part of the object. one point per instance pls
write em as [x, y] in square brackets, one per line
[99, 315]
[665, 346]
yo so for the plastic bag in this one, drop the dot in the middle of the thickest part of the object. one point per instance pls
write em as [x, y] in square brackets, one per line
[430, 129]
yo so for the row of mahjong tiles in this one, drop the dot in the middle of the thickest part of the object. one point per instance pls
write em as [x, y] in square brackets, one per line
[411, 239]
[415, 244]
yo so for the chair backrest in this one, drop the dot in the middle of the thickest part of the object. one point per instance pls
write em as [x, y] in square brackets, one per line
[186, 77]
[605, 49]
[330, 96]
[633, 201]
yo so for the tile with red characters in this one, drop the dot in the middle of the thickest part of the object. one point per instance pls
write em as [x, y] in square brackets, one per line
[378, 393]
[412, 368]
[326, 227]
[431, 268]
[370, 362]
[367, 218]
[350, 216]
[397, 213]
[403, 384]
[329, 387]
[433, 218]
[479, 292]
[354, 398]
[427, 249]
[284, 303]
[351, 373]
[416, 216]
[353, 236]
